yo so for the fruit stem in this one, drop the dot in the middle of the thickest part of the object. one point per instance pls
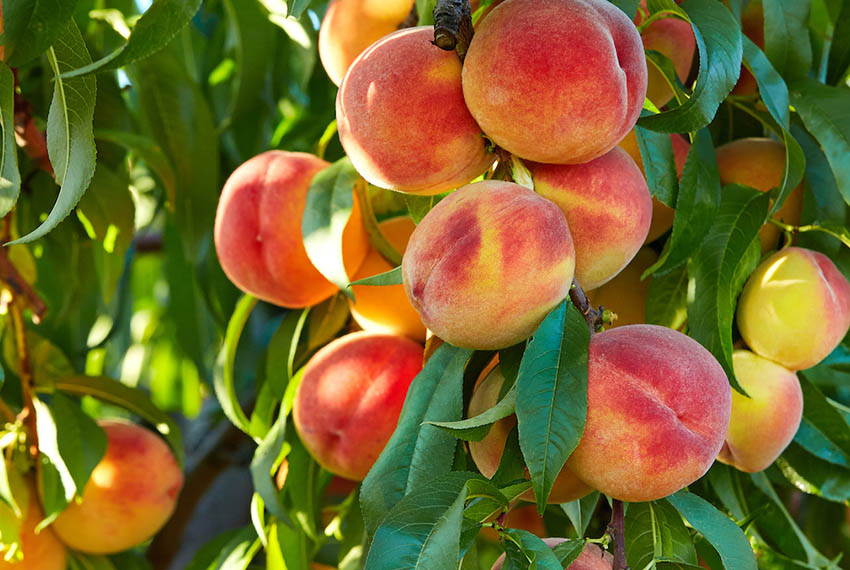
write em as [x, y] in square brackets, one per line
[593, 317]
[617, 529]
[453, 26]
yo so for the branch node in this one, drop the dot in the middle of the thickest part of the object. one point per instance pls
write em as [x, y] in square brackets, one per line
[453, 26]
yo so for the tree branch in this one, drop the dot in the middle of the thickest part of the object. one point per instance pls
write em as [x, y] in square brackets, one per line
[617, 530]
[453, 26]
[592, 316]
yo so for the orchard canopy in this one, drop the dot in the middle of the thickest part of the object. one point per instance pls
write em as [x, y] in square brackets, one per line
[424, 284]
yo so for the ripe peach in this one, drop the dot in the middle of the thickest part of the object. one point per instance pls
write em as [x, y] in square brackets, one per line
[673, 38]
[662, 215]
[486, 265]
[348, 403]
[591, 558]
[554, 93]
[402, 119]
[752, 26]
[763, 425]
[487, 453]
[608, 208]
[658, 407]
[41, 551]
[386, 309]
[131, 494]
[626, 293]
[258, 230]
[759, 163]
[351, 26]
[795, 308]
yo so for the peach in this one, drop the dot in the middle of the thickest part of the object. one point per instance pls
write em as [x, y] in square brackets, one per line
[752, 26]
[487, 263]
[554, 93]
[673, 38]
[608, 208]
[591, 558]
[763, 425]
[386, 309]
[350, 397]
[402, 118]
[258, 230]
[351, 26]
[626, 294]
[42, 550]
[760, 163]
[487, 453]
[129, 497]
[662, 215]
[795, 308]
[658, 407]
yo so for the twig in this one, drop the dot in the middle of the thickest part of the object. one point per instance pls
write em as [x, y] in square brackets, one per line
[592, 316]
[14, 282]
[27, 415]
[453, 26]
[617, 529]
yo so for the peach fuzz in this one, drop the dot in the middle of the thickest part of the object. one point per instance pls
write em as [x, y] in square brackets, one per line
[554, 93]
[41, 551]
[608, 208]
[258, 230]
[760, 164]
[626, 294]
[350, 397]
[591, 558]
[487, 453]
[795, 308]
[386, 309]
[129, 497]
[763, 424]
[662, 215]
[402, 118]
[658, 407]
[487, 263]
[673, 38]
[351, 26]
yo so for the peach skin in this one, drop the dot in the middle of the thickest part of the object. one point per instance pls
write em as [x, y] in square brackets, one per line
[591, 558]
[41, 551]
[487, 263]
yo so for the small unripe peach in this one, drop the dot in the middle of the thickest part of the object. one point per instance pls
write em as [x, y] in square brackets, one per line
[487, 263]
[41, 551]
[763, 424]
[350, 397]
[795, 308]
[591, 558]
[129, 497]
[626, 294]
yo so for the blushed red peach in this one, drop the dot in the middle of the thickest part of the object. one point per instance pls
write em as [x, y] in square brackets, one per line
[673, 38]
[129, 497]
[608, 208]
[554, 93]
[402, 119]
[795, 308]
[626, 294]
[350, 397]
[487, 453]
[591, 558]
[763, 424]
[351, 26]
[487, 263]
[41, 551]
[258, 230]
[658, 407]
[662, 215]
[760, 163]
[386, 309]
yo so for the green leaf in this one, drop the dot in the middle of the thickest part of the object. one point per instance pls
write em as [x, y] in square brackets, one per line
[786, 36]
[629, 7]
[153, 31]
[329, 203]
[729, 254]
[422, 531]
[718, 529]
[147, 150]
[265, 459]
[667, 300]
[813, 475]
[654, 532]
[131, 399]
[30, 27]
[391, 277]
[224, 380]
[10, 177]
[568, 551]
[417, 452]
[839, 55]
[70, 136]
[535, 550]
[7, 495]
[486, 500]
[823, 417]
[476, 428]
[425, 12]
[209, 555]
[295, 8]
[551, 401]
[581, 511]
[656, 152]
[718, 38]
[287, 548]
[418, 206]
[696, 205]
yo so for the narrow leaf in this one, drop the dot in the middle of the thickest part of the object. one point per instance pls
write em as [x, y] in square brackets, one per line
[655, 531]
[476, 428]
[10, 177]
[30, 27]
[224, 381]
[786, 36]
[391, 277]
